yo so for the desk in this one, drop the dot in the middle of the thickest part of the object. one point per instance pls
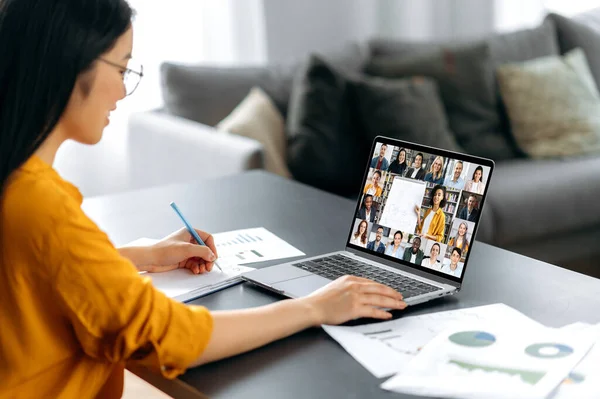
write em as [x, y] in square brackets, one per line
[310, 364]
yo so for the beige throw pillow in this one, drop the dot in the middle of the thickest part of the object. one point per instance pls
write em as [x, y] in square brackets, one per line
[258, 118]
[553, 105]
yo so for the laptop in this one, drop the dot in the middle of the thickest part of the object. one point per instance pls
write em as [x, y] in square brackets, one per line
[413, 227]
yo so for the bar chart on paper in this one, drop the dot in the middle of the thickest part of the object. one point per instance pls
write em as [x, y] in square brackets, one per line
[242, 247]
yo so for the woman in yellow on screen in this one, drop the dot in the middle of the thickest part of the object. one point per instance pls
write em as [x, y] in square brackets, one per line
[374, 188]
[476, 185]
[74, 307]
[460, 241]
[435, 174]
[432, 224]
[359, 237]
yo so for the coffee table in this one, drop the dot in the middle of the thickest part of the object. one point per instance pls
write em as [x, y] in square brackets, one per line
[310, 364]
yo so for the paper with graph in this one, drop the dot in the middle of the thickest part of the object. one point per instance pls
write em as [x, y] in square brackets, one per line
[241, 247]
[386, 348]
[399, 210]
[493, 360]
[234, 249]
[582, 382]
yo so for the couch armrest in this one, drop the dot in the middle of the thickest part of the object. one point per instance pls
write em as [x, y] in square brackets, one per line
[164, 149]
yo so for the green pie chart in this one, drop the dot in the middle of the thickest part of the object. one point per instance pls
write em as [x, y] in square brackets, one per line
[548, 350]
[473, 339]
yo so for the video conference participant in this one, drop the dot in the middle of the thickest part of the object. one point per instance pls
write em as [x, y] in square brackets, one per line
[435, 175]
[455, 181]
[380, 162]
[367, 210]
[413, 254]
[432, 224]
[471, 211]
[374, 188]
[432, 261]
[359, 237]
[476, 185]
[377, 245]
[416, 172]
[450, 266]
[460, 241]
[398, 166]
[394, 249]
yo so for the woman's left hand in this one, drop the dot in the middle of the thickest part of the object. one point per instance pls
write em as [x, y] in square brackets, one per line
[180, 250]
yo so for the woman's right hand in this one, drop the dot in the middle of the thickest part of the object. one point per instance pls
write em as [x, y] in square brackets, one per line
[351, 297]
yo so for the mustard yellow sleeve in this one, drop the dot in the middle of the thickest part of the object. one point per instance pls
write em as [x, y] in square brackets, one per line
[116, 314]
[436, 228]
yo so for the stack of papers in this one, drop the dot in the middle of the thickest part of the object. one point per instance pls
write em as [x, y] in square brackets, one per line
[488, 351]
[235, 248]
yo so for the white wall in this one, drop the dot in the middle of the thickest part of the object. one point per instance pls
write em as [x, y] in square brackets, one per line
[295, 28]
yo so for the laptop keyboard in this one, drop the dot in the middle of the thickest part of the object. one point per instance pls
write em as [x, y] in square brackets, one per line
[335, 266]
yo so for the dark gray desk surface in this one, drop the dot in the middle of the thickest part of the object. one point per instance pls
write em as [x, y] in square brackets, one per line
[310, 364]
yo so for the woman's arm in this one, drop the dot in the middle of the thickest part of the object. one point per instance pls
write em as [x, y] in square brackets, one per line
[344, 299]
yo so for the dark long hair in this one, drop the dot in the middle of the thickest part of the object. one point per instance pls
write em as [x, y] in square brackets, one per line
[44, 46]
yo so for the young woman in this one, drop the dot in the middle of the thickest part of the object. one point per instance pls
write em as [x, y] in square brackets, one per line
[460, 241]
[476, 184]
[399, 165]
[435, 174]
[432, 224]
[360, 235]
[432, 261]
[450, 266]
[374, 188]
[394, 248]
[74, 308]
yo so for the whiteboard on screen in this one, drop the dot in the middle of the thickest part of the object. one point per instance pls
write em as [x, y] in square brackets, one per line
[399, 211]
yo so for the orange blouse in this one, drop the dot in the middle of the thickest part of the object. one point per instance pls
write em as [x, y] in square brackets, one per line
[72, 309]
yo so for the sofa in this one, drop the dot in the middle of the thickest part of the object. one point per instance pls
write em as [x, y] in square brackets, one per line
[542, 208]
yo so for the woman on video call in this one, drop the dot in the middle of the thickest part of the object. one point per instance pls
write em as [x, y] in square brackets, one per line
[394, 248]
[74, 307]
[432, 224]
[399, 165]
[435, 175]
[432, 261]
[367, 210]
[374, 188]
[460, 241]
[476, 184]
[450, 266]
[359, 237]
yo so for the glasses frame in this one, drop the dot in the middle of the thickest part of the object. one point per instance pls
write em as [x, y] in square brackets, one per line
[128, 70]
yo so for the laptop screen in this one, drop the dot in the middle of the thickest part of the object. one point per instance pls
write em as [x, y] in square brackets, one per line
[420, 206]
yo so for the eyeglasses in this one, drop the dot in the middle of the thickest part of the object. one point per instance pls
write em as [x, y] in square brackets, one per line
[131, 77]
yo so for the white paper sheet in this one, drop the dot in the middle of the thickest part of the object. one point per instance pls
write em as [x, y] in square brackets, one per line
[493, 360]
[385, 348]
[399, 211]
[583, 381]
[234, 249]
[242, 247]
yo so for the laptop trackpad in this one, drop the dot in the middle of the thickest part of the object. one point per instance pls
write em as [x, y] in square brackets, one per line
[302, 286]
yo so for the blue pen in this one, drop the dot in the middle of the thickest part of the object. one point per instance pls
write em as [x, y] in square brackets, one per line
[191, 230]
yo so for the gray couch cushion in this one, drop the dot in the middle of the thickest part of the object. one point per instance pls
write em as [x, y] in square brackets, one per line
[407, 109]
[572, 34]
[543, 198]
[465, 78]
[486, 130]
[208, 94]
[325, 147]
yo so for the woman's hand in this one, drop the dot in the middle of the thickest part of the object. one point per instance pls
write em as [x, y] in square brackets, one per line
[180, 250]
[351, 297]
